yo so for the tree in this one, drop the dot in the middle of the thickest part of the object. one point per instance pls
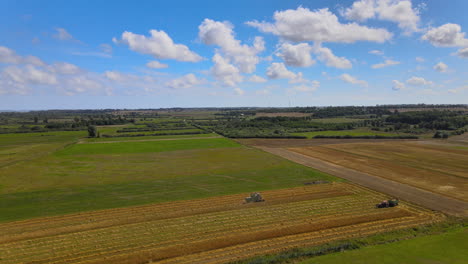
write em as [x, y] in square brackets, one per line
[92, 131]
[36, 119]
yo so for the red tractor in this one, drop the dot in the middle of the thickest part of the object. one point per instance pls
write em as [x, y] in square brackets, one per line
[387, 203]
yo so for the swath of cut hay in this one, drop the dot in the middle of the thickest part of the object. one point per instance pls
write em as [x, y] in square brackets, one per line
[19, 230]
[187, 231]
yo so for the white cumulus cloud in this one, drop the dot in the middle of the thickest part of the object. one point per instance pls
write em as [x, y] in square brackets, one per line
[331, 60]
[158, 45]
[376, 52]
[185, 81]
[29, 74]
[84, 84]
[311, 87]
[418, 81]
[9, 56]
[448, 35]
[156, 65]
[278, 70]
[221, 34]
[440, 67]
[397, 85]
[64, 68]
[397, 11]
[320, 25]
[257, 79]
[296, 55]
[463, 53]
[353, 80]
[386, 63]
[225, 72]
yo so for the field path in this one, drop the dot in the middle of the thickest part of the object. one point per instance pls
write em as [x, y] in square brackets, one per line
[405, 192]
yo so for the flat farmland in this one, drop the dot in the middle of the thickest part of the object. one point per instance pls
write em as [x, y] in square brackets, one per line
[211, 230]
[26, 146]
[62, 177]
[435, 168]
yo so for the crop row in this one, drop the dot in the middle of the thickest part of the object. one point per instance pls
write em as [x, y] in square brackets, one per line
[136, 237]
[207, 230]
[225, 219]
[211, 241]
[81, 222]
[174, 206]
[282, 242]
[270, 246]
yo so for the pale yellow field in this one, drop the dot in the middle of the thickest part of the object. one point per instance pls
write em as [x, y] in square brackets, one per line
[438, 169]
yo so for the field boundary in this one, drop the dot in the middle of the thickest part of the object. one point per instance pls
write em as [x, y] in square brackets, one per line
[403, 191]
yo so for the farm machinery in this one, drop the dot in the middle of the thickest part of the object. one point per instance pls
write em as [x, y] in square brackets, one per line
[254, 198]
[387, 203]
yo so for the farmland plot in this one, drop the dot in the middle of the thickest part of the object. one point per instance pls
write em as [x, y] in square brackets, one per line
[212, 230]
[434, 168]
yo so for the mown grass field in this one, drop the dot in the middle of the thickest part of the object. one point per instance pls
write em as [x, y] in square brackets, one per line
[446, 248]
[146, 146]
[108, 139]
[25, 146]
[63, 177]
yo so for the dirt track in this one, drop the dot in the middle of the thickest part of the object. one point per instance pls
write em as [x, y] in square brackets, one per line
[402, 191]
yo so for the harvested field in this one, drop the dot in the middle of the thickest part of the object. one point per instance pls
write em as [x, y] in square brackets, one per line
[434, 168]
[214, 230]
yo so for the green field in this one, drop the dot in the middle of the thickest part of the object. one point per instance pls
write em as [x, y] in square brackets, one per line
[354, 132]
[446, 248]
[105, 139]
[73, 177]
[146, 146]
[25, 146]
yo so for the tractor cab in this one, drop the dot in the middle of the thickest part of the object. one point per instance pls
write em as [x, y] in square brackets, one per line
[387, 203]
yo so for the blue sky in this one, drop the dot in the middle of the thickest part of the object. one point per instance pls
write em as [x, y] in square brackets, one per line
[151, 54]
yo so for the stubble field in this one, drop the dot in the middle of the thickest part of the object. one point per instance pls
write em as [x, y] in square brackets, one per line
[435, 168]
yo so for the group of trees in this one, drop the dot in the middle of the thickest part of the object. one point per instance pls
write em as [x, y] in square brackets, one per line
[242, 122]
[433, 120]
[270, 127]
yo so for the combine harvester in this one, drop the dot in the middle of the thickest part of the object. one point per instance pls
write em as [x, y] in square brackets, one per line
[254, 198]
[387, 203]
